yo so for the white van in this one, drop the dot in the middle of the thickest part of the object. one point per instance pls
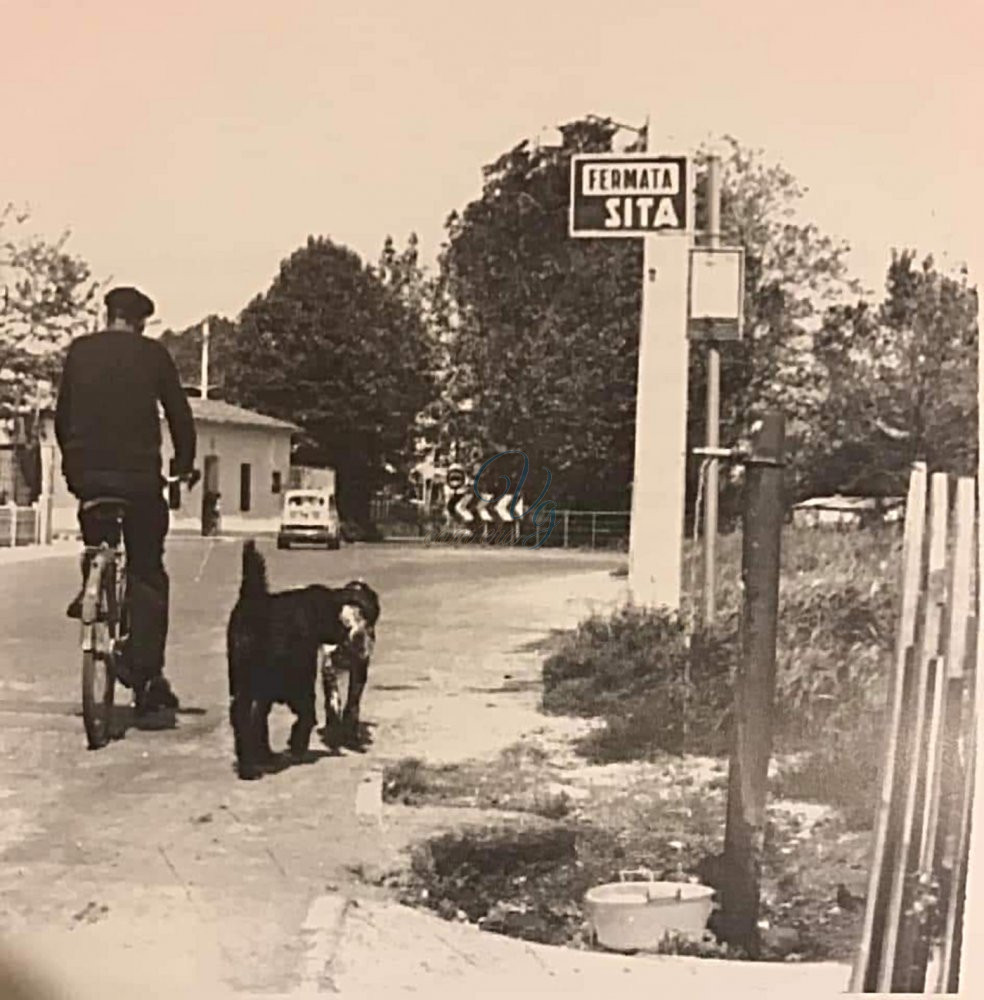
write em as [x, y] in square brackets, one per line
[309, 517]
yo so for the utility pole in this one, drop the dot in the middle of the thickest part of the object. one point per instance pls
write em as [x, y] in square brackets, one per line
[204, 376]
[754, 687]
[711, 489]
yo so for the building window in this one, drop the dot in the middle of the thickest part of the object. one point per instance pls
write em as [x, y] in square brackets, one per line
[275, 487]
[245, 484]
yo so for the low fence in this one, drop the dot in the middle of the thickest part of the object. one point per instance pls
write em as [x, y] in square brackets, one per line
[20, 525]
[590, 529]
[911, 939]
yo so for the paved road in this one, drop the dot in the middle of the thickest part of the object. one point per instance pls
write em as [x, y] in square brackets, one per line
[148, 861]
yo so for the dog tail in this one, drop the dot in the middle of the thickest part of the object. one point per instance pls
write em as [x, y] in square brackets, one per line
[254, 583]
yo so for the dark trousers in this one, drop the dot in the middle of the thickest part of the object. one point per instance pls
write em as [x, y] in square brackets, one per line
[144, 528]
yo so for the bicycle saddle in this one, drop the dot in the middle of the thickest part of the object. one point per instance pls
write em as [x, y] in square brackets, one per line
[110, 506]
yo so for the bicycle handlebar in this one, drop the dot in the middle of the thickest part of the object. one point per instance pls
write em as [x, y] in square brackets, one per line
[189, 478]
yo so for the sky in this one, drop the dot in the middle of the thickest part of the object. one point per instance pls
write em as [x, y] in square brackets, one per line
[190, 147]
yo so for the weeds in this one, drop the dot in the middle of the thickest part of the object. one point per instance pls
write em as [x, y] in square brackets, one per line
[405, 781]
[659, 688]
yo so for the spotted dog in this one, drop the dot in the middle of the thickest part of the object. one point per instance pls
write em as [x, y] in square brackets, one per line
[276, 644]
[351, 656]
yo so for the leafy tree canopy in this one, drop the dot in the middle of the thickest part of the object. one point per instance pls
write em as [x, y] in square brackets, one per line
[901, 381]
[339, 348]
[544, 329]
[47, 296]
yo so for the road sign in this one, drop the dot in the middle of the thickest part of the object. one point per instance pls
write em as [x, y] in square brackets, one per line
[458, 507]
[455, 477]
[628, 194]
[502, 508]
[717, 292]
[466, 507]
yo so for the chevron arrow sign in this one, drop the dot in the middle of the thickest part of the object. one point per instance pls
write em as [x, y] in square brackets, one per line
[459, 507]
[502, 508]
[466, 507]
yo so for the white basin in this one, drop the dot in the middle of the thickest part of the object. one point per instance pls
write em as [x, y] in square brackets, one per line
[634, 916]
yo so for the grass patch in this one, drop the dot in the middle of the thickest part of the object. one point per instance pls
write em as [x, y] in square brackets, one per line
[529, 881]
[514, 781]
[406, 781]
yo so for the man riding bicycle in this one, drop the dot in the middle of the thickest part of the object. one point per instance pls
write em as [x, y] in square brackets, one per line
[108, 428]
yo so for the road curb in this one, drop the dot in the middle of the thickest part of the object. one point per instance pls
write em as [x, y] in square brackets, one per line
[323, 928]
[364, 947]
[38, 553]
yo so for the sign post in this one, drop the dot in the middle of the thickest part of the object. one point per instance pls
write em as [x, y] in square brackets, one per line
[717, 280]
[643, 195]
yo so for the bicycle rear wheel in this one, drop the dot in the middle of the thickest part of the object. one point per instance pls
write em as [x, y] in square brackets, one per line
[98, 694]
[100, 613]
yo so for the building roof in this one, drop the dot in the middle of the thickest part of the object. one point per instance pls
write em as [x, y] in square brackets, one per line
[215, 411]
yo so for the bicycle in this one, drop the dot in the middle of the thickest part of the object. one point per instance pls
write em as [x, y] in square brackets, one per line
[105, 619]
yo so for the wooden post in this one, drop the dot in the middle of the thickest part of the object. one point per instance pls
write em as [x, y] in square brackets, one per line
[566, 515]
[594, 523]
[754, 687]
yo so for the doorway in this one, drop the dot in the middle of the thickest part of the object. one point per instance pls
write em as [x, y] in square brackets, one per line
[210, 495]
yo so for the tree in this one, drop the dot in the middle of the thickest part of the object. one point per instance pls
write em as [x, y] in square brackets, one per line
[793, 275]
[48, 296]
[901, 381]
[332, 348]
[543, 334]
[546, 328]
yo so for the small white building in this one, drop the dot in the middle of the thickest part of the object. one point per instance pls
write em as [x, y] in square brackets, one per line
[847, 512]
[243, 456]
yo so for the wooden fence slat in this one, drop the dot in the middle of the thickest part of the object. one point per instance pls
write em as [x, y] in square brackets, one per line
[894, 974]
[961, 580]
[946, 715]
[948, 981]
[864, 974]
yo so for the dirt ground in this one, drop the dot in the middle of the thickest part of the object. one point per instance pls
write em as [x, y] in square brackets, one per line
[115, 863]
[666, 816]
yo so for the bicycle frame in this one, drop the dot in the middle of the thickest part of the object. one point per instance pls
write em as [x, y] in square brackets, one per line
[107, 576]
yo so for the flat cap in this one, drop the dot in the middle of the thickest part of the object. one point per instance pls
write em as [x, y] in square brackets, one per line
[129, 302]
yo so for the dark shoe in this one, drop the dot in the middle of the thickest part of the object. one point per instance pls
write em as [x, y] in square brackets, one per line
[74, 609]
[156, 696]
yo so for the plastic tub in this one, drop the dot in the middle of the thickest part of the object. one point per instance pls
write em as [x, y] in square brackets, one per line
[636, 915]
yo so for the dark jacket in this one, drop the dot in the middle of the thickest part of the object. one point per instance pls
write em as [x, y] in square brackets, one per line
[107, 420]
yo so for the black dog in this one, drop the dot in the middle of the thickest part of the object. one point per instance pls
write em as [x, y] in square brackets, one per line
[275, 644]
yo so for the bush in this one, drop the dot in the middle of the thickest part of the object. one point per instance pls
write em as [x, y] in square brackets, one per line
[843, 772]
[837, 616]
[656, 689]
